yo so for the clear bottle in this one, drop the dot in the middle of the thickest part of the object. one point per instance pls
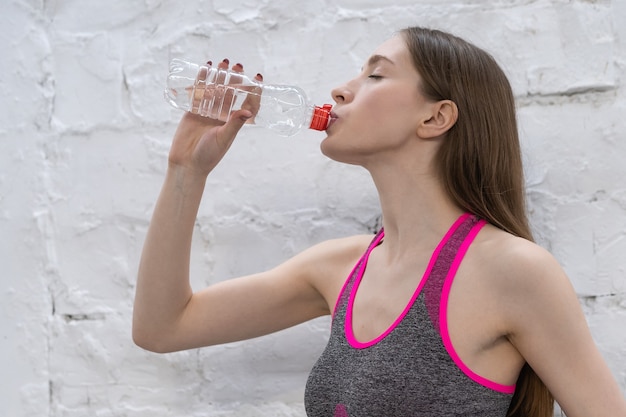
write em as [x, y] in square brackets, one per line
[216, 93]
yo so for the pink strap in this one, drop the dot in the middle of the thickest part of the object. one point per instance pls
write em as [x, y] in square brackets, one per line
[348, 324]
[443, 317]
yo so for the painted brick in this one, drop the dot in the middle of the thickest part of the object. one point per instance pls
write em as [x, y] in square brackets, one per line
[84, 136]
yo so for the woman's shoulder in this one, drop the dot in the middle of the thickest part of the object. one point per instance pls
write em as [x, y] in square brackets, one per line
[337, 250]
[515, 263]
[326, 260]
[326, 265]
[509, 245]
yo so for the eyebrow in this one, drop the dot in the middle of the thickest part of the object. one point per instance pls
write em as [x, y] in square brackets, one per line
[377, 58]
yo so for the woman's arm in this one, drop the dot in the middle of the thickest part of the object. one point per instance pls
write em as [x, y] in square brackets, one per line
[550, 331]
[167, 315]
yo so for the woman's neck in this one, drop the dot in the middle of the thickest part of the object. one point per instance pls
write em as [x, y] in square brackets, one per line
[416, 210]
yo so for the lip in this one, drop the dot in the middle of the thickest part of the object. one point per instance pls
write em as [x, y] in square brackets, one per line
[332, 120]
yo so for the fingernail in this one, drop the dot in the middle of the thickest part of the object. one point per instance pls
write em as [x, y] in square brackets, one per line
[238, 67]
[209, 63]
[226, 61]
[260, 77]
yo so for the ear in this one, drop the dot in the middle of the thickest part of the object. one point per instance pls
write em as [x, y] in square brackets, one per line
[440, 118]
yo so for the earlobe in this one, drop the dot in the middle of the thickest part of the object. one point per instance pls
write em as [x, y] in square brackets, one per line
[443, 116]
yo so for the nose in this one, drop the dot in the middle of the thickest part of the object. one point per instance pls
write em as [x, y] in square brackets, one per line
[342, 94]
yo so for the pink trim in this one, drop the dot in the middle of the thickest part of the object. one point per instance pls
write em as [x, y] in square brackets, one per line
[372, 245]
[348, 324]
[443, 317]
[345, 284]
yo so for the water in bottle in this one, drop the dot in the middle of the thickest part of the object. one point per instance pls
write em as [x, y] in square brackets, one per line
[217, 93]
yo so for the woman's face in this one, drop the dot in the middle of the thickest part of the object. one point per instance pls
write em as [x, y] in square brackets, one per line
[378, 111]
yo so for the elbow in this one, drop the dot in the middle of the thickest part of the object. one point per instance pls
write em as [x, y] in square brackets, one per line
[142, 341]
[148, 341]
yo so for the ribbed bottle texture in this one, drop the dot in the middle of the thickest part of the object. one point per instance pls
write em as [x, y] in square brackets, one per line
[217, 93]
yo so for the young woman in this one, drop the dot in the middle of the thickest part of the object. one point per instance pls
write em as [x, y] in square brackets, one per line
[451, 309]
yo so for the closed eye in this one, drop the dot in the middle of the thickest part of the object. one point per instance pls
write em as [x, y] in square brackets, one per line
[375, 77]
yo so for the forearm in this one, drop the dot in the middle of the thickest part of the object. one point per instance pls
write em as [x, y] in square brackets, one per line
[163, 288]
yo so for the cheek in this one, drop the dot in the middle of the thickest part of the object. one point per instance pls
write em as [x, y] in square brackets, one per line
[392, 110]
[390, 122]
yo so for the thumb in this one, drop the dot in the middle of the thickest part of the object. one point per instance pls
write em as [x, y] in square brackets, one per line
[236, 121]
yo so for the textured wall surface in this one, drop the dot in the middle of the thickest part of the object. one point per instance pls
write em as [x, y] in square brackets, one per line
[84, 136]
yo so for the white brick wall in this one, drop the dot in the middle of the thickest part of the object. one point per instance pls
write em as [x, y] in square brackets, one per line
[84, 135]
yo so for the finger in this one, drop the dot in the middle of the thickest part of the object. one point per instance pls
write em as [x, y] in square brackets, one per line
[215, 95]
[235, 78]
[199, 89]
[238, 67]
[228, 132]
[201, 97]
[234, 124]
[234, 93]
[252, 101]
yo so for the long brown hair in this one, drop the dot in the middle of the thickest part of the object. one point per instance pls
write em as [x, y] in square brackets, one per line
[480, 161]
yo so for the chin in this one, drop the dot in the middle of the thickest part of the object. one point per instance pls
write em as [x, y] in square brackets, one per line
[333, 150]
[329, 148]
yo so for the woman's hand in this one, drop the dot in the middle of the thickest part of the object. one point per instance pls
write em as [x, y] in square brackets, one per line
[201, 142]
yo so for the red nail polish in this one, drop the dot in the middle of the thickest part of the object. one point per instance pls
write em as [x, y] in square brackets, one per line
[226, 61]
[209, 63]
[260, 77]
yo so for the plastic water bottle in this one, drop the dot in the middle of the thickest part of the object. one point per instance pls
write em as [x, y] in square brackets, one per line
[216, 93]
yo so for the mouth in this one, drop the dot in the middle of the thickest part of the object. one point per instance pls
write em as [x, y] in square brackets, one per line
[331, 121]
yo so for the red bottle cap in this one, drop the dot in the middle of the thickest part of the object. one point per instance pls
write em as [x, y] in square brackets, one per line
[321, 117]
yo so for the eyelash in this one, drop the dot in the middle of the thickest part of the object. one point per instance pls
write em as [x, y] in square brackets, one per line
[375, 77]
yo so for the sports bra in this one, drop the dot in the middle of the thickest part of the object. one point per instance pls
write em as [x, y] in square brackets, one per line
[412, 369]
